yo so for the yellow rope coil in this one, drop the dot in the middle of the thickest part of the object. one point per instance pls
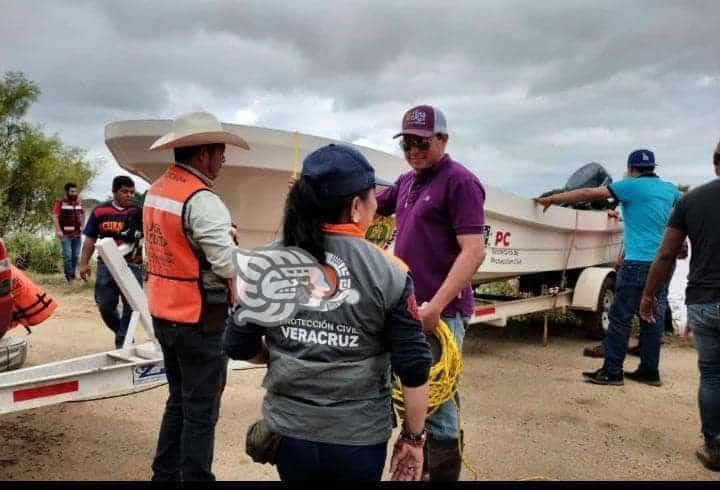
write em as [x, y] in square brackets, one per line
[444, 374]
[443, 380]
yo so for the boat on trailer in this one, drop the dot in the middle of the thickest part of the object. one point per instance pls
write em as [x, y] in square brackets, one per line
[560, 256]
[520, 238]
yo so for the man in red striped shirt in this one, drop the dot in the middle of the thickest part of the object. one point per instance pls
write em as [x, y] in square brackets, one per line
[121, 220]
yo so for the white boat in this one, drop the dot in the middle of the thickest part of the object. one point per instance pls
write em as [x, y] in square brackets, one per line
[520, 238]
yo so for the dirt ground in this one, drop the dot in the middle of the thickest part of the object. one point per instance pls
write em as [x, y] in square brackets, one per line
[526, 413]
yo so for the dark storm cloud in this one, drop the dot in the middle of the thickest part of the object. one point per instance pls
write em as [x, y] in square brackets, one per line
[530, 88]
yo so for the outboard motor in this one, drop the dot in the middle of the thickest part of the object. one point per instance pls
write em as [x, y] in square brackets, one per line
[590, 175]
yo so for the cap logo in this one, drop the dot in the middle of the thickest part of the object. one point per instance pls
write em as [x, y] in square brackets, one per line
[645, 157]
[416, 117]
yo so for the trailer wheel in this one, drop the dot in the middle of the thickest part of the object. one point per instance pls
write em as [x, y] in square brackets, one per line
[595, 323]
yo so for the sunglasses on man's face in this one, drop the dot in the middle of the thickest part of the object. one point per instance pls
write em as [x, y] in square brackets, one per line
[421, 144]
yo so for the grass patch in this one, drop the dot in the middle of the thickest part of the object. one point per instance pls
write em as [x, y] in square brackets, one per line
[32, 253]
[58, 280]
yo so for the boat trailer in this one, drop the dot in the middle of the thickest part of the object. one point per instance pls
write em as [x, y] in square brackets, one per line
[129, 369]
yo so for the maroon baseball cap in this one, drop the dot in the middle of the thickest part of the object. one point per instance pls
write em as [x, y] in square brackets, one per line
[424, 121]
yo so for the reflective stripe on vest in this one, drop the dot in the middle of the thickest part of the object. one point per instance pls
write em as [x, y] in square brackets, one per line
[31, 305]
[173, 285]
[70, 216]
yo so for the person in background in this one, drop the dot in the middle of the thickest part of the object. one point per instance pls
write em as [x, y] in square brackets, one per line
[68, 217]
[438, 207]
[328, 389]
[599, 349]
[696, 216]
[120, 219]
[646, 202]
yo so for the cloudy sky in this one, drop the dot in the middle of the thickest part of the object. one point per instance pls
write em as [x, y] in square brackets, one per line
[531, 90]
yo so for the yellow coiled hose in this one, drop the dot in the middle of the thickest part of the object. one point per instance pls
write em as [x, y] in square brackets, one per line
[443, 381]
[444, 374]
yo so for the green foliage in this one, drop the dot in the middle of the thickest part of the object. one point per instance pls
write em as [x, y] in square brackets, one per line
[34, 253]
[16, 95]
[34, 167]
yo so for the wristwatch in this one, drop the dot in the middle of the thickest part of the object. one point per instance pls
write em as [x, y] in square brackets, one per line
[418, 439]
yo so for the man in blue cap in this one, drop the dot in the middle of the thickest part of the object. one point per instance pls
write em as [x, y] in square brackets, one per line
[646, 202]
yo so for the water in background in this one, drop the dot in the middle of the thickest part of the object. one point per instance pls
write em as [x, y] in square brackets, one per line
[676, 295]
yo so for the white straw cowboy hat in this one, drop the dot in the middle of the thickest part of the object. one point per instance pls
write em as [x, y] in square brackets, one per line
[197, 128]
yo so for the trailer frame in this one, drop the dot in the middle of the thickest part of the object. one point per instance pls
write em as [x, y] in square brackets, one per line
[126, 370]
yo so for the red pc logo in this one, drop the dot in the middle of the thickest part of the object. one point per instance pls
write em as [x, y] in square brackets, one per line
[502, 238]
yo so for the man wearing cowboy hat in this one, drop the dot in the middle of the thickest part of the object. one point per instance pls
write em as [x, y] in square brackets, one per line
[189, 243]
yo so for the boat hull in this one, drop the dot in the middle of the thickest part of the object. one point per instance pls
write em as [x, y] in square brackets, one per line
[520, 238]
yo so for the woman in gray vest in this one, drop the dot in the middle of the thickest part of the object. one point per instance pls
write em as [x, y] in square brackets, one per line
[328, 378]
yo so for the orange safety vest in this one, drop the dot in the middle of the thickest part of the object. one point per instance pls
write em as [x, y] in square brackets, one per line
[174, 288]
[5, 286]
[31, 305]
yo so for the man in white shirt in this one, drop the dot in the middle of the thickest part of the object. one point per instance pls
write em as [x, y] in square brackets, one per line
[189, 240]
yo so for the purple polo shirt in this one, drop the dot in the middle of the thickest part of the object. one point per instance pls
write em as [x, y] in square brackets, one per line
[431, 209]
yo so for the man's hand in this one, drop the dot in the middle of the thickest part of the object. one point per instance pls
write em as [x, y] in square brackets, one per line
[429, 316]
[291, 181]
[235, 234]
[407, 462]
[647, 308]
[84, 270]
[619, 261]
[59, 234]
[545, 202]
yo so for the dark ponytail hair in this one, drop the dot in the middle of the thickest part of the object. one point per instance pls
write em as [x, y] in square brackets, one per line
[306, 212]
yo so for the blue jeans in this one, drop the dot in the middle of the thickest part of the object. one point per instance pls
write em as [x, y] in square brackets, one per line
[704, 320]
[443, 424]
[70, 253]
[628, 293]
[298, 459]
[107, 296]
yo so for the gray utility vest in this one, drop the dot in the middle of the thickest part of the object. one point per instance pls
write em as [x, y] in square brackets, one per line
[328, 378]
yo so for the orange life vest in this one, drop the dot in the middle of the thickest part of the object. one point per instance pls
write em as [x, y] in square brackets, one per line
[31, 305]
[5, 298]
[174, 288]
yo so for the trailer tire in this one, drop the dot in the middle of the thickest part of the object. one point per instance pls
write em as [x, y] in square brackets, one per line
[595, 323]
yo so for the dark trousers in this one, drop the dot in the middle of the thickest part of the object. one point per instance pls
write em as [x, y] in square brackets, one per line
[196, 369]
[299, 459]
[107, 297]
[628, 293]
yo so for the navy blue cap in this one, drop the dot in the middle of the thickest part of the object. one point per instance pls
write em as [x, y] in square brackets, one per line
[641, 158]
[339, 170]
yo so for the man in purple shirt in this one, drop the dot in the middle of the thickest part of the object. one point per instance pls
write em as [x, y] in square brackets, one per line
[438, 208]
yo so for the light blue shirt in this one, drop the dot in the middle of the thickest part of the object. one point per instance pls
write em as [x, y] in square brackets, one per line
[646, 203]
